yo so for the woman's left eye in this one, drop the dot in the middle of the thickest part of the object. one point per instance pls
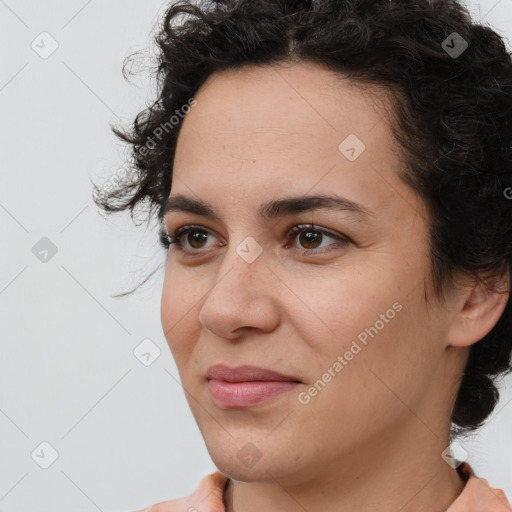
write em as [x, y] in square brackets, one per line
[308, 235]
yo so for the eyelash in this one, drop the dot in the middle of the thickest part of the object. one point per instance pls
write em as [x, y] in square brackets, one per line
[166, 240]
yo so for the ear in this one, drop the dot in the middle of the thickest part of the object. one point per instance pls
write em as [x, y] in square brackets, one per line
[477, 310]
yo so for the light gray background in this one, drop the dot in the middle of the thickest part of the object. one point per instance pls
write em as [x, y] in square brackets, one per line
[123, 431]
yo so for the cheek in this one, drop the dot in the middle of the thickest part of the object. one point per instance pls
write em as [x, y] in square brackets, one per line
[372, 318]
[385, 347]
[370, 370]
[333, 309]
[176, 313]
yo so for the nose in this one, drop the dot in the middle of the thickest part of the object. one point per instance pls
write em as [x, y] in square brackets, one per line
[242, 297]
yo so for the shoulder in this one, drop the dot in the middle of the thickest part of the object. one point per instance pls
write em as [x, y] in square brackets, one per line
[478, 495]
[208, 497]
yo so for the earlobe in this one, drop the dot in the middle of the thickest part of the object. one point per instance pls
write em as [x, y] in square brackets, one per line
[478, 311]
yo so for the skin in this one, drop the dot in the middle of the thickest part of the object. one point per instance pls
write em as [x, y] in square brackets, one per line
[372, 438]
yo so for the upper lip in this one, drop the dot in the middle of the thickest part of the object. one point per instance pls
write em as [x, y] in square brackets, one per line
[245, 373]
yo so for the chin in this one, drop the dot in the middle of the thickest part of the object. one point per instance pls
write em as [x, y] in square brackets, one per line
[258, 461]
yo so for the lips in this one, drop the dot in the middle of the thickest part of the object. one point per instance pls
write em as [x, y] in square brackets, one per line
[245, 373]
[246, 386]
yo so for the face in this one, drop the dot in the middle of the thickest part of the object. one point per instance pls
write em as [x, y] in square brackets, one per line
[339, 306]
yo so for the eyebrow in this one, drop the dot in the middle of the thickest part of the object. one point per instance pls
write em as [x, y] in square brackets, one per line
[272, 209]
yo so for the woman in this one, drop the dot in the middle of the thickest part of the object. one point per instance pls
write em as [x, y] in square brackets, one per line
[331, 180]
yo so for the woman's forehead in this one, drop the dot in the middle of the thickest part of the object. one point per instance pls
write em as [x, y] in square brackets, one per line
[290, 135]
[302, 98]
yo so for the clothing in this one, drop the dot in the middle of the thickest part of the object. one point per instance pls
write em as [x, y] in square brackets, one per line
[477, 496]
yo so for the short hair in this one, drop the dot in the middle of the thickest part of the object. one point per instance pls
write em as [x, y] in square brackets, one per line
[451, 81]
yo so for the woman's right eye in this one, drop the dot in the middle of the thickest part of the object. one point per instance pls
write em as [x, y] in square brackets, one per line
[200, 235]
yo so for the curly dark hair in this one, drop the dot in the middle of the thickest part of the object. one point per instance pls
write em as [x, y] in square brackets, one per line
[451, 80]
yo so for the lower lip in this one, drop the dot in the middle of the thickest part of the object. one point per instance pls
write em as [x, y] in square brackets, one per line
[244, 394]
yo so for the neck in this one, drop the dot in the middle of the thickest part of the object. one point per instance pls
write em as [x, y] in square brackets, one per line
[387, 476]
